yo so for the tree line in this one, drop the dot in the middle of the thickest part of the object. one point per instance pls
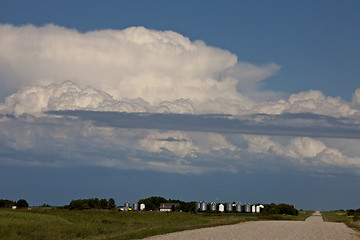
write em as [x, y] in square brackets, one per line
[153, 204]
[21, 203]
[91, 203]
[279, 209]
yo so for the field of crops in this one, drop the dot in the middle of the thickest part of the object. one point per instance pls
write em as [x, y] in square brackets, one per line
[53, 223]
[341, 217]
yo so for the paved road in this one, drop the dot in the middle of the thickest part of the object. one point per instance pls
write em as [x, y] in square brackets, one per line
[313, 228]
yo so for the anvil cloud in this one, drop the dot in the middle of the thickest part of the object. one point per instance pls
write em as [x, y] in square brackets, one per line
[155, 100]
[132, 63]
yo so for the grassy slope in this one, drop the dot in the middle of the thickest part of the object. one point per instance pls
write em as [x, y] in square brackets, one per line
[94, 224]
[341, 218]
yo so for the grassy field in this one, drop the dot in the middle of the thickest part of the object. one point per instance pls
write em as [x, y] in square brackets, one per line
[342, 218]
[52, 223]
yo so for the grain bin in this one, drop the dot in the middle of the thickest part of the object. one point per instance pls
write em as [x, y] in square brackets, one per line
[213, 206]
[253, 209]
[126, 206]
[221, 207]
[247, 208]
[203, 206]
[135, 206]
[229, 207]
[197, 206]
[258, 208]
[238, 207]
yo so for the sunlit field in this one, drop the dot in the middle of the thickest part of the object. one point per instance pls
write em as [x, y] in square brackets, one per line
[342, 218]
[53, 223]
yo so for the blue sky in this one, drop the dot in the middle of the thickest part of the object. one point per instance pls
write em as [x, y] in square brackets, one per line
[286, 70]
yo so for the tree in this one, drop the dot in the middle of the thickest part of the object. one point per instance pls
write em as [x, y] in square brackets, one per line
[76, 204]
[350, 212]
[356, 215]
[85, 206]
[104, 203]
[21, 203]
[112, 203]
[270, 209]
[97, 203]
[287, 209]
[279, 209]
[4, 203]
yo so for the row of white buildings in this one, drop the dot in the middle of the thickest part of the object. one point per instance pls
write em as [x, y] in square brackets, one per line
[228, 207]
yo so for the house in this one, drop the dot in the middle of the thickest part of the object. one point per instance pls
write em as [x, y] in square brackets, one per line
[168, 207]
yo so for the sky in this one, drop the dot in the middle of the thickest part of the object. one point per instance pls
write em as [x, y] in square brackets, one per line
[250, 101]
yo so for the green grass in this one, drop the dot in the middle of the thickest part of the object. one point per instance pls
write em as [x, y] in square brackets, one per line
[301, 217]
[341, 218]
[52, 223]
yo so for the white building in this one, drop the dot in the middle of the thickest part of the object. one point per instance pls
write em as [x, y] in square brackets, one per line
[221, 207]
[253, 208]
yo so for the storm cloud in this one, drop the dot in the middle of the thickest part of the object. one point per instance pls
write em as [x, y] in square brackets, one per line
[136, 62]
[155, 100]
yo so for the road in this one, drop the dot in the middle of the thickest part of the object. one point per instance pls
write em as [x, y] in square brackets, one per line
[313, 228]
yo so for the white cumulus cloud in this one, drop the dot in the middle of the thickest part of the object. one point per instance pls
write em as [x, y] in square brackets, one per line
[312, 101]
[69, 96]
[138, 69]
[136, 62]
[304, 147]
[303, 151]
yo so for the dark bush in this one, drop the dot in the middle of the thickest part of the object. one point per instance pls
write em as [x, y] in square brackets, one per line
[279, 209]
[356, 216]
[111, 203]
[4, 203]
[270, 209]
[22, 203]
[287, 209]
[350, 212]
[82, 204]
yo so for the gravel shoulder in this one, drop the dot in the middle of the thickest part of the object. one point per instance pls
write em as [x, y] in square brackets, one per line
[313, 228]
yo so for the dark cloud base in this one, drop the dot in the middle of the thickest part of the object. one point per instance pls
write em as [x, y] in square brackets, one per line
[303, 124]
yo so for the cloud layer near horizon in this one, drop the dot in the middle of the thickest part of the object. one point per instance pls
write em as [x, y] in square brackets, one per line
[67, 142]
[160, 74]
